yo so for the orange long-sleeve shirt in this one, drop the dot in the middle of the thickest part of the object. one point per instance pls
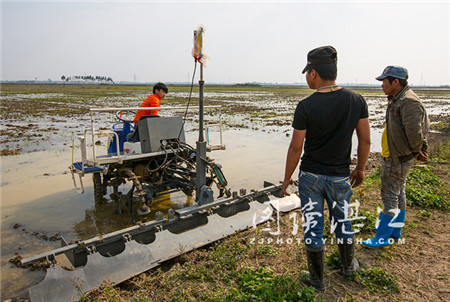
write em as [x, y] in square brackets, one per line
[151, 101]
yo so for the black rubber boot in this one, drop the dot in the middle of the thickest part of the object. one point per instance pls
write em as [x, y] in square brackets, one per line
[315, 265]
[347, 254]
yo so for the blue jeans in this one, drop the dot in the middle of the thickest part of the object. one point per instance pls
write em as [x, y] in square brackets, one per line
[313, 190]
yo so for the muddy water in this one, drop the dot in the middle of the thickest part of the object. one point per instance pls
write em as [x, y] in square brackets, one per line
[37, 197]
[36, 188]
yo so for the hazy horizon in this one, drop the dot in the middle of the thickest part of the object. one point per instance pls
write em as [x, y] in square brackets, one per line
[267, 42]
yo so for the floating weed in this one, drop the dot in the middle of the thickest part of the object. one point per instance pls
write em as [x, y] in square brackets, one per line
[5, 152]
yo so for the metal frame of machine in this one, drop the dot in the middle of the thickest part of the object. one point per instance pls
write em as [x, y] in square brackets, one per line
[166, 164]
[120, 255]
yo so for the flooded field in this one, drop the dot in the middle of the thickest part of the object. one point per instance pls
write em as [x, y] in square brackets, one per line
[40, 123]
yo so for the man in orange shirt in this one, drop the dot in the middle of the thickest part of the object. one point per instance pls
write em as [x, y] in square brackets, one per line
[159, 93]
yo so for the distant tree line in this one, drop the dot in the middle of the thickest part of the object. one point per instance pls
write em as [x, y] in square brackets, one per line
[247, 85]
[99, 79]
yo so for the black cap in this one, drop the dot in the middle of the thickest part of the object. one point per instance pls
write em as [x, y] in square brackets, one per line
[320, 56]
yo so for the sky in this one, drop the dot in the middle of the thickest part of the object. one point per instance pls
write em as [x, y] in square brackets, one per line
[251, 41]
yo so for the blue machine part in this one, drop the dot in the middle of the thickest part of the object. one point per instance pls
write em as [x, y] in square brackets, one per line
[122, 130]
[218, 171]
[79, 166]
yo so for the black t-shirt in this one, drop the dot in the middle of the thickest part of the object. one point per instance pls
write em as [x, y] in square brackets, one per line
[329, 120]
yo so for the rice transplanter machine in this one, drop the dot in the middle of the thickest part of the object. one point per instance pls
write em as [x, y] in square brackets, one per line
[156, 160]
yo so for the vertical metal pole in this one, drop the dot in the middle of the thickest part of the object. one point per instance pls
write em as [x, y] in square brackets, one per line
[200, 95]
[201, 143]
[93, 138]
[220, 128]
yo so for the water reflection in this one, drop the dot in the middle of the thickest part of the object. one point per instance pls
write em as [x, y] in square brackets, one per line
[38, 195]
[74, 216]
[102, 219]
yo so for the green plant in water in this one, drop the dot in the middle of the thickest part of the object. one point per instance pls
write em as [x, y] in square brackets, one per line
[377, 280]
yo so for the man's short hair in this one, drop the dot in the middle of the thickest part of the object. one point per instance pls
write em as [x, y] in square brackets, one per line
[402, 82]
[159, 86]
[326, 71]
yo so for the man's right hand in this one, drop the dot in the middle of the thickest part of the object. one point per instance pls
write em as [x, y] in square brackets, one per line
[357, 177]
[286, 183]
[422, 156]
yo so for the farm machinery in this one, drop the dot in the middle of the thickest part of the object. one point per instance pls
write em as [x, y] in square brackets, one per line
[153, 156]
[154, 159]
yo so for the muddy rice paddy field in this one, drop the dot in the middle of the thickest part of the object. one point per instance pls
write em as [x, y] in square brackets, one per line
[39, 129]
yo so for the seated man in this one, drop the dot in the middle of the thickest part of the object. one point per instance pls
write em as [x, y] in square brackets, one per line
[154, 100]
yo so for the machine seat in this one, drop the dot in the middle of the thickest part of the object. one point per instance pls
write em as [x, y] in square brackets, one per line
[79, 167]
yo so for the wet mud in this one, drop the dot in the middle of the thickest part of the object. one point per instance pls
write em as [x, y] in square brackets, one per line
[40, 124]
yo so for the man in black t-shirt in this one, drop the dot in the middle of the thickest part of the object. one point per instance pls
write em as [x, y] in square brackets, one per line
[325, 121]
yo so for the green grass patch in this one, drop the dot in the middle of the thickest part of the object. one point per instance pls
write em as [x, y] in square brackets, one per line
[369, 221]
[377, 280]
[333, 260]
[219, 263]
[267, 250]
[427, 190]
[373, 178]
[441, 126]
[261, 284]
[441, 153]
[226, 256]
[425, 213]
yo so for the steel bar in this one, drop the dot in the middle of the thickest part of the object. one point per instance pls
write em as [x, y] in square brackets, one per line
[113, 109]
[146, 226]
[62, 285]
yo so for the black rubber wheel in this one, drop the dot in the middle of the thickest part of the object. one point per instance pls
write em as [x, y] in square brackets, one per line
[98, 188]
